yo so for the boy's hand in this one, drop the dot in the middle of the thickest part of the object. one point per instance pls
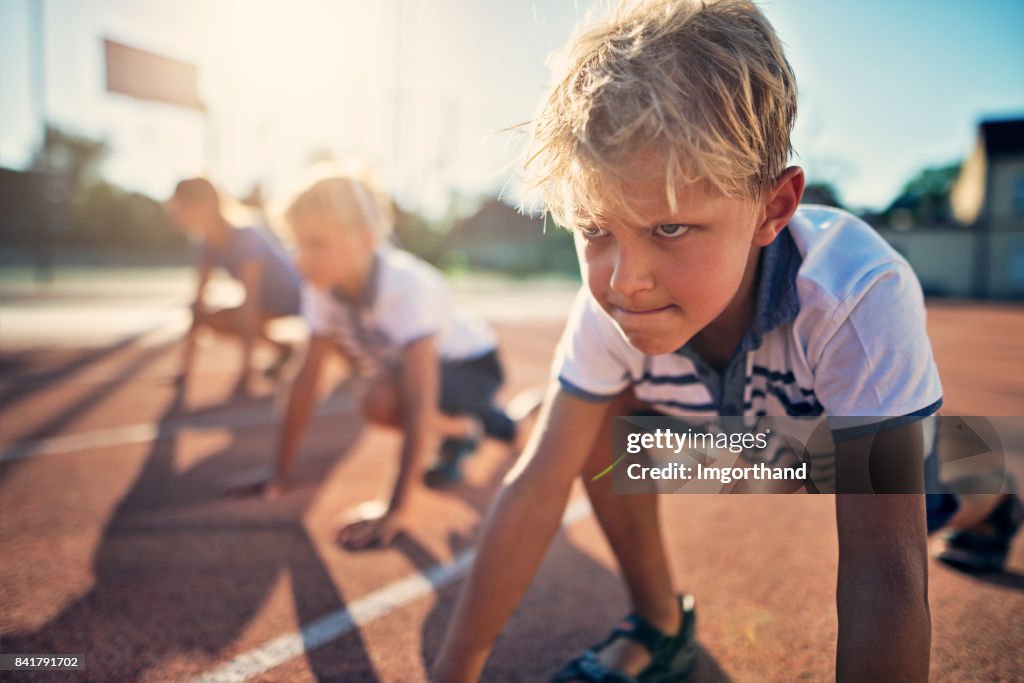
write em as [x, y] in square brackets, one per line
[273, 490]
[371, 525]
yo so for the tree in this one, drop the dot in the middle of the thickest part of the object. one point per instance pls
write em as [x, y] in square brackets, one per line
[925, 197]
[67, 202]
[76, 157]
[821, 193]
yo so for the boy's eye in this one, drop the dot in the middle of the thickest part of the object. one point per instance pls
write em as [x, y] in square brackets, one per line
[671, 230]
[592, 232]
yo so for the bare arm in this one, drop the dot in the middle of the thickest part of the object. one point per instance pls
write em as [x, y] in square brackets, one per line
[252, 280]
[882, 587]
[203, 270]
[301, 401]
[418, 386]
[517, 531]
[418, 389]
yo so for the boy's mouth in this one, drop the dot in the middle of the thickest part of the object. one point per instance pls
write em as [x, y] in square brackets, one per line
[641, 311]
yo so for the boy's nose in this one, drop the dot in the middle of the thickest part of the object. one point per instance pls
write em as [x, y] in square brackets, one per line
[632, 272]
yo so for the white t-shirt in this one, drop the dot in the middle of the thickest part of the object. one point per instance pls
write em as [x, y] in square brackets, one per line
[405, 300]
[839, 331]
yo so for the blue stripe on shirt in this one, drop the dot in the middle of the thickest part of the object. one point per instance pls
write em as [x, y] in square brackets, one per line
[849, 433]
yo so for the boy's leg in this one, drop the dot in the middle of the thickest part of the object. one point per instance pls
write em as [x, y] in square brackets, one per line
[284, 350]
[467, 394]
[632, 526]
[467, 414]
[382, 405]
[974, 509]
[228, 321]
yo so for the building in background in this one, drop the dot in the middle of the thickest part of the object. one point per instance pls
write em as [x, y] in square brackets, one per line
[978, 250]
[990, 188]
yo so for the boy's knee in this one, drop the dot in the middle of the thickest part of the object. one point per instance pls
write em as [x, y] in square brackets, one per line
[381, 405]
[224, 321]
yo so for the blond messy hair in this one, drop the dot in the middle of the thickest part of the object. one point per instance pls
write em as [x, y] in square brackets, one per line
[701, 87]
[344, 194]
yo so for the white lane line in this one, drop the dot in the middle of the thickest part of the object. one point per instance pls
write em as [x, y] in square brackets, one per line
[359, 613]
[151, 431]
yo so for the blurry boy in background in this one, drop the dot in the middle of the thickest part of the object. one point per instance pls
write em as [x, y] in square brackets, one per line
[271, 282]
[431, 371]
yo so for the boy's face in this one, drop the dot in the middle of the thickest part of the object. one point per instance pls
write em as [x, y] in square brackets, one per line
[187, 216]
[331, 255]
[668, 278]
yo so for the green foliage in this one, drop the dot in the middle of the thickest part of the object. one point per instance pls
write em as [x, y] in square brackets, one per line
[74, 156]
[64, 201]
[924, 199]
[415, 234]
[822, 193]
[934, 181]
[105, 215]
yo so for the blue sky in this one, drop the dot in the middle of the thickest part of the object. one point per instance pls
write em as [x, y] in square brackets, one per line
[422, 88]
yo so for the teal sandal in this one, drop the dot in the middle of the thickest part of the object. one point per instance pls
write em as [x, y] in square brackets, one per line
[672, 657]
[447, 470]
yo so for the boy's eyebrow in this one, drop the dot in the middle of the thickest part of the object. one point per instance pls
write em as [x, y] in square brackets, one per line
[670, 220]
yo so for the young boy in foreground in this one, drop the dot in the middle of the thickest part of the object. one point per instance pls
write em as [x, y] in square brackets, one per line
[664, 146]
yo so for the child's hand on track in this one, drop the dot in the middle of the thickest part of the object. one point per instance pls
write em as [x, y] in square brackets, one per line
[371, 525]
[273, 490]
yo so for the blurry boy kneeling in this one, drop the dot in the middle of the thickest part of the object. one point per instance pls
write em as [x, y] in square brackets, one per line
[432, 372]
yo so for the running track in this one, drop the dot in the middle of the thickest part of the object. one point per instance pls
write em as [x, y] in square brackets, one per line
[115, 543]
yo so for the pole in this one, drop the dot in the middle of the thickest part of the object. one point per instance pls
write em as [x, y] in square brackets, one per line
[43, 248]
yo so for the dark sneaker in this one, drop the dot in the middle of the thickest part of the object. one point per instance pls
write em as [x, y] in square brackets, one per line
[273, 371]
[447, 470]
[986, 548]
[672, 656]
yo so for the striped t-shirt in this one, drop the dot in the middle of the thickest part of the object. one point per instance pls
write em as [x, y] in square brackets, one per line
[404, 300]
[838, 331]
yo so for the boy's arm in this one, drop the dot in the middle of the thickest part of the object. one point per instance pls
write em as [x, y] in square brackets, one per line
[203, 270]
[418, 389]
[519, 527]
[301, 401]
[252, 280]
[882, 587]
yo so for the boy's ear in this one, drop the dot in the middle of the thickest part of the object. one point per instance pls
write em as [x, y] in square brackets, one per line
[779, 205]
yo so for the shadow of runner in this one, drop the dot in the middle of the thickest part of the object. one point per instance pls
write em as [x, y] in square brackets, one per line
[23, 382]
[81, 406]
[180, 572]
[1004, 579]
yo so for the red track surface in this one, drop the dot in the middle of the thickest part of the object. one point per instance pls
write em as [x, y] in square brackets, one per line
[128, 555]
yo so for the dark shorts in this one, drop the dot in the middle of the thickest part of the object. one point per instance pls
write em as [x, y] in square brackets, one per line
[468, 387]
